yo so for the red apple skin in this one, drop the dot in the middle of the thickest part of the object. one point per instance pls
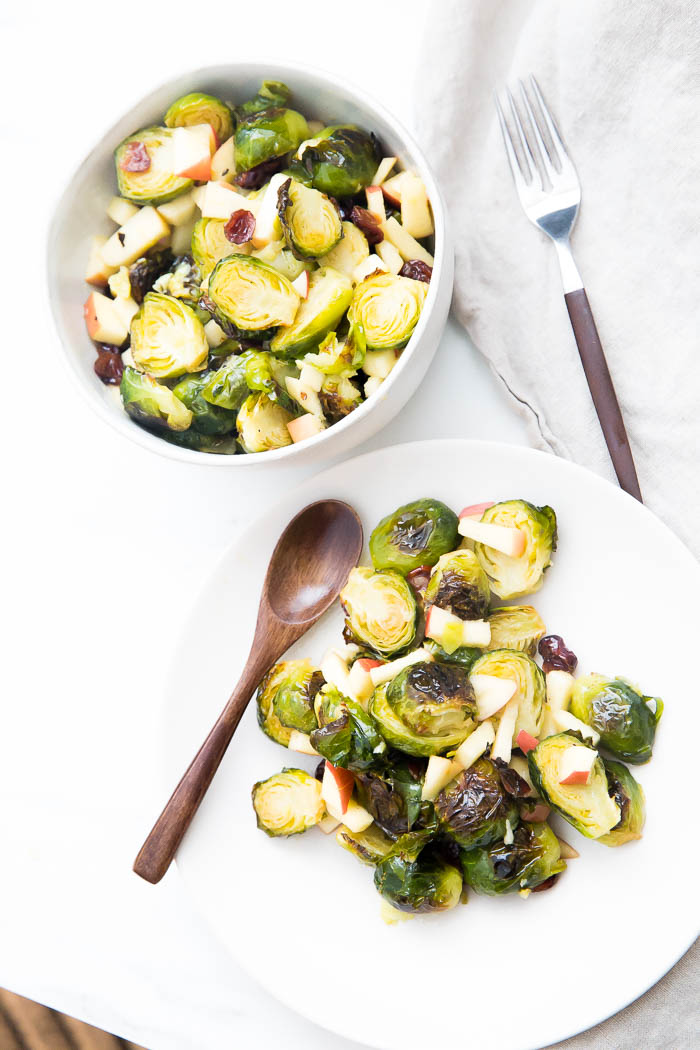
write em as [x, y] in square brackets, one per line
[90, 315]
[474, 509]
[200, 172]
[367, 665]
[539, 812]
[579, 776]
[526, 742]
[344, 781]
[389, 196]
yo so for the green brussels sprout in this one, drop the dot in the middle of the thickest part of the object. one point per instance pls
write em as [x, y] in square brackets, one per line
[267, 133]
[464, 655]
[459, 584]
[310, 221]
[207, 418]
[532, 688]
[182, 281]
[198, 108]
[156, 183]
[145, 271]
[262, 424]
[271, 93]
[264, 373]
[587, 807]
[252, 295]
[288, 803]
[210, 244]
[347, 735]
[329, 296]
[415, 879]
[369, 846]
[400, 735]
[167, 338]
[339, 397]
[387, 307]
[413, 535]
[619, 713]
[216, 444]
[393, 795]
[516, 627]
[629, 798]
[380, 611]
[513, 577]
[529, 860]
[151, 404]
[338, 357]
[433, 699]
[292, 679]
[227, 386]
[474, 810]
[293, 702]
[341, 160]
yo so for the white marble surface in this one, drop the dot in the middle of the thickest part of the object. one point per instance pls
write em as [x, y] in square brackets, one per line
[105, 544]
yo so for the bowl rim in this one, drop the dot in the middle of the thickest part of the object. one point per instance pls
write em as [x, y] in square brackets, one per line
[326, 438]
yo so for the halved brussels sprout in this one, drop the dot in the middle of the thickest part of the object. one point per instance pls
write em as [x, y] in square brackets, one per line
[293, 702]
[262, 424]
[415, 879]
[198, 108]
[465, 655]
[629, 798]
[337, 357]
[167, 338]
[347, 735]
[587, 807]
[341, 160]
[271, 93]
[350, 251]
[433, 699]
[513, 577]
[393, 795]
[473, 809]
[619, 713]
[151, 404]
[310, 221]
[267, 374]
[252, 295]
[144, 168]
[207, 418]
[227, 386]
[210, 244]
[529, 860]
[459, 584]
[387, 307]
[182, 280]
[329, 296]
[516, 627]
[399, 735]
[380, 610]
[339, 397]
[288, 803]
[369, 846]
[532, 688]
[283, 678]
[214, 444]
[413, 535]
[267, 133]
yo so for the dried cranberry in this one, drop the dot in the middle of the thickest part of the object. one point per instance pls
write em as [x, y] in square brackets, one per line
[555, 655]
[109, 366]
[419, 578]
[417, 270]
[239, 228]
[320, 769]
[255, 177]
[365, 221]
[344, 208]
[135, 157]
[513, 783]
[546, 885]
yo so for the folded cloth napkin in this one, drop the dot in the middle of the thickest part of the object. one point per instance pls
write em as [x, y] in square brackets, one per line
[623, 82]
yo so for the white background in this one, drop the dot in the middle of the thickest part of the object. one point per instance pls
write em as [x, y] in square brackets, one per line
[106, 544]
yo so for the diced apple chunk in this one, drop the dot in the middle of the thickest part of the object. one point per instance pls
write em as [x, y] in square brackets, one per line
[304, 396]
[181, 238]
[385, 166]
[576, 764]
[372, 385]
[120, 210]
[214, 333]
[438, 775]
[311, 377]
[475, 510]
[192, 149]
[415, 209]
[368, 266]
[389, 671]
[391, 188]
[223, 167]
[179, 211]
[219, 201]
[389, 256]
[97, 271]
[336, 788]
[103, 321]
[360, 685]
[301, 742]
[475, 745]
[267, 223]
[379, 363]
[356, 818]
[301, 284]
[375, 203]
[305, 427]
[135, 237]
[559, 687]
[503, 744]
[566, 722]
[328, 824]
[491, 693]
[407, 246]
[499, 537]
[127, 309]
[333, 667]
[451, 632]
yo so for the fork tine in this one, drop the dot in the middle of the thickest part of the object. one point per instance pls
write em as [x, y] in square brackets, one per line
[510, 151]
[524, 142]
[559, 147]
[547, 161]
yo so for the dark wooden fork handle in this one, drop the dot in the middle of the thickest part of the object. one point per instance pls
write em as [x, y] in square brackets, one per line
[602, 390]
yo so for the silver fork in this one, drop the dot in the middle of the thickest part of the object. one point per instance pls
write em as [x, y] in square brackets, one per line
[550, 193]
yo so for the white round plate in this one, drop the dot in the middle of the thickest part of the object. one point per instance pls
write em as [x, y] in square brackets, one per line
[302, 915]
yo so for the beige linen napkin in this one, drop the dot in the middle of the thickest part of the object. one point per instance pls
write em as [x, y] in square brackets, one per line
[622, 78]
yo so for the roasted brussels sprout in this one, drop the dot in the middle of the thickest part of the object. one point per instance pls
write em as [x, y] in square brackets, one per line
[145, 272]
[227, 386]
[271, 93]
[144, 168]
[414, 878]
[464, 655]
[293, 702]
[532, 689]
[433, 699]
[262, 424]
[369, 846]
[459, 584]
[516, 627]
[207, 418]
[329, 296]
[265, 373]
[399, 735]
[529, 860]
[198, 108]
[413, 535]
[339, 397]
[310, 221]
[215, 444]
[167, 338]
[151, 404]
[264, 134]
[629, 798]
[182, 281]
[513, 577]
[587, 807]
[210, 244]
[338, 357]
[387, 307]
[393, 795]
[619, 713]
[341, 160]
[283, 677]
[380, 610]
[252, 295]
[473, 809]
[288, 803]
[347, 735]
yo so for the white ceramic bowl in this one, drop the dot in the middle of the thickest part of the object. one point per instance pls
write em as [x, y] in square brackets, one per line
[81, 213]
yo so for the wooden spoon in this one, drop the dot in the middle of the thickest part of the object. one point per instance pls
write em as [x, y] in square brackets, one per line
[307, 570]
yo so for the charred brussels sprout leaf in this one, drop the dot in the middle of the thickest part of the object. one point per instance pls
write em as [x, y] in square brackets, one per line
[145, 272]
[473, 809]
[151, 404]
[380, 610]
[198, 108]
[338, 357]
[587, 807]
[207, 418]
[529, 860]
[267, 133]
[400, 736]
[629, 798]
[532, 690]
[215, 444]
[512, 577]
[167, 338]
[393, 795]
[415, 879]
[267, 374]
[433, 699]
[271, 93]
[416, 534]
[210, 244]
[387, 307]
[341, 160]
[282, 676]
[152, 181]
[182, 281]
[516, 627]
[227, 386]
[252, 295]
[309, 220]
[329, 296]
[293, 702]
[347, 735]
[339, 397]
[262, 424]
[619, 713]
[369, 846]
[288, 803]
[465, 655]
[459, 584]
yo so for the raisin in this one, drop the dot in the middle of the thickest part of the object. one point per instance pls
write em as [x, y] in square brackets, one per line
[417, 270]
[344, 208]
[365, 221]
[255, 177]
[135, 157]
[419, 578]
[546, 885]
[240, 227]
[109, 365]
[320, 769]
[555, 655]
[513, 783]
